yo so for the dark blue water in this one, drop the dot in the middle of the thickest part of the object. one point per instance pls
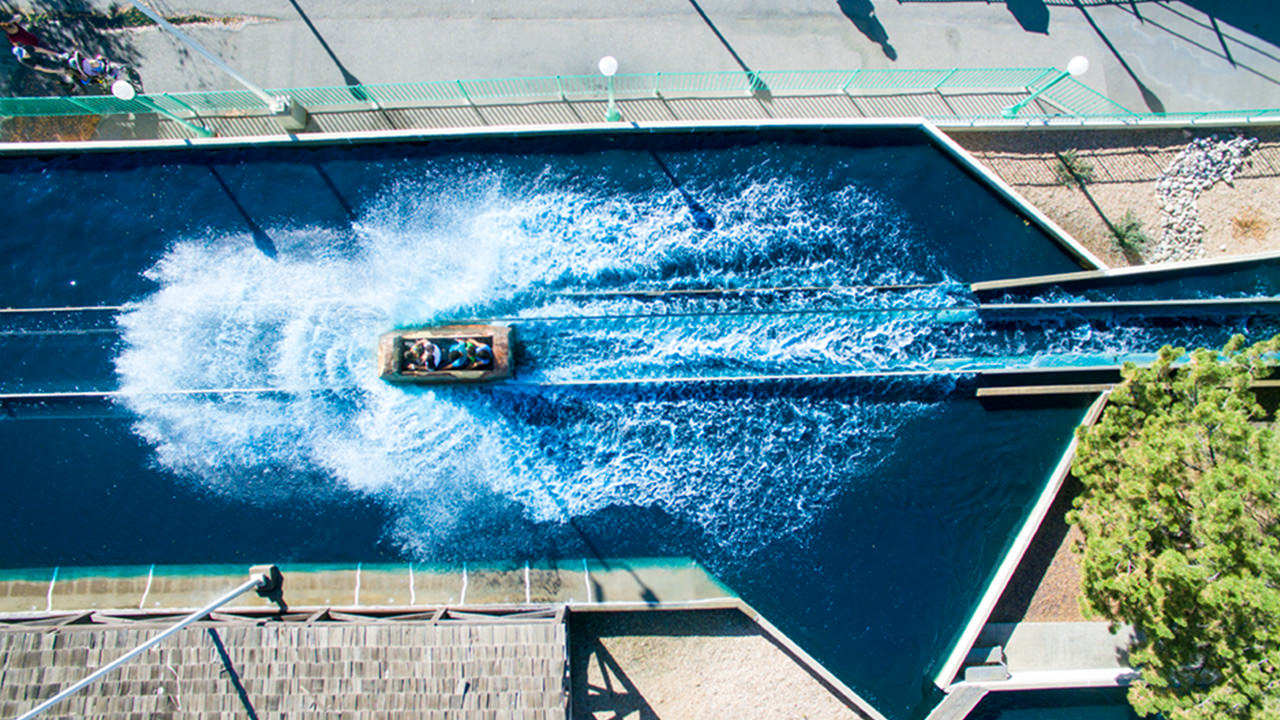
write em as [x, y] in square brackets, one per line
[863, 517]
[1076, 704]
[1245, 278]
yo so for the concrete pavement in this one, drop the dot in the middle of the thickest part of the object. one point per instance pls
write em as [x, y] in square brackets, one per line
[1145, 55]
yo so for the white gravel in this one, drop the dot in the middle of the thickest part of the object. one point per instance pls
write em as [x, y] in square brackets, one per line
[1201, 164]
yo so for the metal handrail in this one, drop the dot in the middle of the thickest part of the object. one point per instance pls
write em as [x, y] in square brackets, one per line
[260, 578]
[1066, 100]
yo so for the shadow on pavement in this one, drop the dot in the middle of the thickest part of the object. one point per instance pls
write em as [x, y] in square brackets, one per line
[62, 26]
[1032, 15]
[1149, 98]
[1259, 25]
[1259, 18]
[863, 16]
[758, 86]
[604, 682]
[350, 80]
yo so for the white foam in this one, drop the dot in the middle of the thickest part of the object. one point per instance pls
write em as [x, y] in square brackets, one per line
[744, 467]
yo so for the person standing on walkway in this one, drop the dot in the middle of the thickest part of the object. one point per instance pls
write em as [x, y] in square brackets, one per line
[19, 35]
[23, 43]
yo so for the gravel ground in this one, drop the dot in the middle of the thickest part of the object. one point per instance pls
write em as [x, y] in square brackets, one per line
[1220, 187]
[688, 664]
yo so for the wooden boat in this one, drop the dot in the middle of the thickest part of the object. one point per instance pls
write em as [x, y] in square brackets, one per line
[445, 354]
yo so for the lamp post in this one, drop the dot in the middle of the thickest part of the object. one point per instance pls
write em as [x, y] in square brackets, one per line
[1079, 65]
[124, 91]
[608, 68]
[292, 116]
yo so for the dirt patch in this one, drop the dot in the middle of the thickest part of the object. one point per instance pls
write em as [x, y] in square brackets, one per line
[688, 664]
[59, 127]
[1125, 165]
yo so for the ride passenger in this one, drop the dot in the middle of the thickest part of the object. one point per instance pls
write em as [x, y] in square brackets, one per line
[422, 355]
[468, 354]
[483, 356]
[88, 70]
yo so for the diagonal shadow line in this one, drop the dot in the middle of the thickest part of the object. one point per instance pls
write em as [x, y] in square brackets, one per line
[337, 194]
[1222, 40]
[1153, 102]
[346, 74]
[231, 672]
[610, 669]
[646, 593]
[758, 85]
[353, 82]
[260, 237]
[1210, 50]
[1213, 25]
[702, 219]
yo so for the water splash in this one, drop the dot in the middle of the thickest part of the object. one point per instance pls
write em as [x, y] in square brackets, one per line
[740, 466]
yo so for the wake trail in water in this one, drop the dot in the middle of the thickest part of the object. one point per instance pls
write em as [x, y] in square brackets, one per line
[740, 464]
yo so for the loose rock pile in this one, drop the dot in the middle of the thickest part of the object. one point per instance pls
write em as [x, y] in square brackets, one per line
[1202, 163]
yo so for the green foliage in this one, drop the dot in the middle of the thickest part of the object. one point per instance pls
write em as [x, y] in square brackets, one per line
[1179, 513]
[1129, 233]
[1072, 169]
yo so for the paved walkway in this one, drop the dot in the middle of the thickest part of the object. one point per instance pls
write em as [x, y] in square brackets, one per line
[1145, 55]
[690, 664]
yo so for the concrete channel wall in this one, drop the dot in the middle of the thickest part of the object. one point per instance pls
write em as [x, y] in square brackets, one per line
[155, 588]
[1009, 563]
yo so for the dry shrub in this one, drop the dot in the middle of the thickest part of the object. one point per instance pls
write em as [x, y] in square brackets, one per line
[1250, 224]
[57, 127]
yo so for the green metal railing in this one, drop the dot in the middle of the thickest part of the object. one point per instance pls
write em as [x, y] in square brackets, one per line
[560, 87]
[1065, 98]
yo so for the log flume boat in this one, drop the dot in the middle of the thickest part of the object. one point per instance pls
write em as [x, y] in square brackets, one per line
[446, 354]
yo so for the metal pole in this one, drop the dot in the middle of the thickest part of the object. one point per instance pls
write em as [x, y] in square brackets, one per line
[612, 114]
[1013, 110]
[197, 129]
[276, 104]
[257, 581]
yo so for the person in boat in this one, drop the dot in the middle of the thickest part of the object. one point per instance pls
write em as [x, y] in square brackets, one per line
[422, 355]
[468, 354]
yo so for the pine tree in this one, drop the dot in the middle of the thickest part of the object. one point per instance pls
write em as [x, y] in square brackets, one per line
[1180, 514]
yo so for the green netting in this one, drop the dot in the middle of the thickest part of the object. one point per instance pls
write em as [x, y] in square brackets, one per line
[993, 78]
[534, 88]
[805, 80]
[719, 82]
[902, 80]
[222, 101]
[1076, 98]
[408, 93]
[318, 96]
[1059, 95]
[38, 107]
